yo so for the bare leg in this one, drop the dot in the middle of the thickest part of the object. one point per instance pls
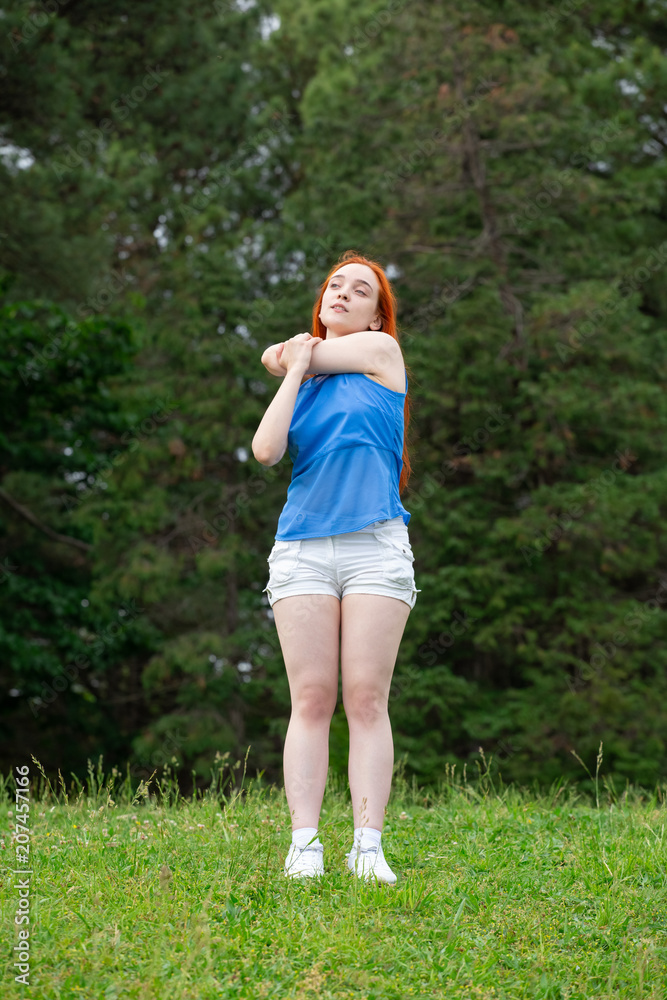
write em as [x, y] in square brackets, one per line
[371, 630]
[309, 632]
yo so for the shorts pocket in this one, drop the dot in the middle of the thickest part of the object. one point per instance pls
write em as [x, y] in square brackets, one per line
[284, 559]
[397, 559]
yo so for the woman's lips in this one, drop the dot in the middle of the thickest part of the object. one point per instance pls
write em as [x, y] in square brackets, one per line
[341, 308]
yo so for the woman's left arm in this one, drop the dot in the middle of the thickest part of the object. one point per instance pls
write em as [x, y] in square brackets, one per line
[371, 352]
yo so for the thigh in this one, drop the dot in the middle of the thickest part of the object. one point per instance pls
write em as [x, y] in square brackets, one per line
[308, 627]
[371, 631]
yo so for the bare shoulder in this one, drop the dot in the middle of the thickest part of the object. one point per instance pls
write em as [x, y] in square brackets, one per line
[390, 367]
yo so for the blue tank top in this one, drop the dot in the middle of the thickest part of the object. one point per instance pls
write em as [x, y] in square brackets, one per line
[346, 445]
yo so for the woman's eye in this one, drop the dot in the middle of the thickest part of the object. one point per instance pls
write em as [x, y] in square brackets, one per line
[334, 284]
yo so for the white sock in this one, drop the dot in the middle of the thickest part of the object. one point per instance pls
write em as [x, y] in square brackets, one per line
[303, 836]
[365, 837]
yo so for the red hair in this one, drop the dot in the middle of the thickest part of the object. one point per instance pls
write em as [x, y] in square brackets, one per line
[387, 310]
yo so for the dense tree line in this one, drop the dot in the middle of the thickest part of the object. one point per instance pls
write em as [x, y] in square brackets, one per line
[176, 181]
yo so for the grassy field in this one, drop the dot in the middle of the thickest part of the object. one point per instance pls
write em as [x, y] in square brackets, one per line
[501, 893]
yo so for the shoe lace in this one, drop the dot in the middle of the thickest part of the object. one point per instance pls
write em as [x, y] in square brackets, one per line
[319, 848]
[373, 850]
[372, 854]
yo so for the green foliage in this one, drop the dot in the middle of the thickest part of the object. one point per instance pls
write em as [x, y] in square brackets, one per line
[59, 646]
[506, 162]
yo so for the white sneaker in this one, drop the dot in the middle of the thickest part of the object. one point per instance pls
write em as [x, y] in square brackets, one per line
[304, 862]
[370, 863]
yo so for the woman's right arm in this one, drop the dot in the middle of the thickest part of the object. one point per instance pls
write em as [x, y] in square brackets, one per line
[270, 441]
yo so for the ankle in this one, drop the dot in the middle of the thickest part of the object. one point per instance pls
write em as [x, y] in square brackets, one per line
[365, 837]
[304, 835]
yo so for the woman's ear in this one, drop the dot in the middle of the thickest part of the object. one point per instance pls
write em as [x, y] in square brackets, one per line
[376, 324]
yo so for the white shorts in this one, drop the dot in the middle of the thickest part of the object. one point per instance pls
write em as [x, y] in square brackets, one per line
[376, 559]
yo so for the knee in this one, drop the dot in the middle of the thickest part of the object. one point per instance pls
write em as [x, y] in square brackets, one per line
[314, 704]
[364, 706]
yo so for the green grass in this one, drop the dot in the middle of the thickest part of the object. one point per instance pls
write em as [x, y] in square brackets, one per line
[502, 893]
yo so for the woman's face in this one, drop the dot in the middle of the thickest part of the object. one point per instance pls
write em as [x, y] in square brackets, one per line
[350, 301]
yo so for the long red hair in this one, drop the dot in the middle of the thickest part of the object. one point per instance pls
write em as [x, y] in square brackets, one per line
[387, 310]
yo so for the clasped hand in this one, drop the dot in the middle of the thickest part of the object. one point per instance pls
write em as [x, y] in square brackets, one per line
[296, 352]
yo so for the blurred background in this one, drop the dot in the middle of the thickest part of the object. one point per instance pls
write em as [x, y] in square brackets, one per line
[175, 182]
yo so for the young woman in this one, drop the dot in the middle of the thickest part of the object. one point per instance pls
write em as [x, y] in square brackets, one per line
[341, 578]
